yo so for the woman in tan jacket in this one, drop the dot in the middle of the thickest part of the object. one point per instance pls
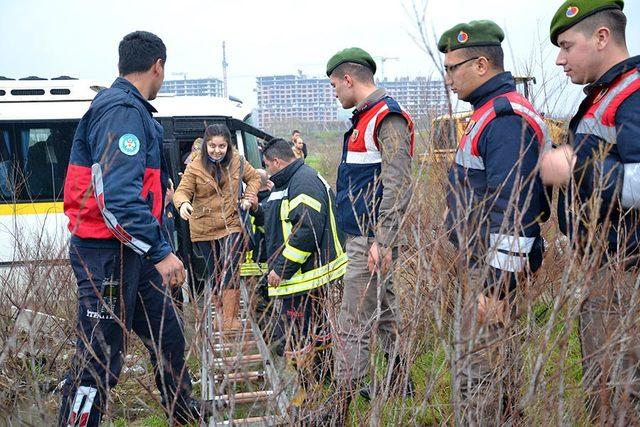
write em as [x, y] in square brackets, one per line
[208, 197]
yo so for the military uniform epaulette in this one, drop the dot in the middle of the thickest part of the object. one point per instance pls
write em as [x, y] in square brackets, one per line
[502, 107]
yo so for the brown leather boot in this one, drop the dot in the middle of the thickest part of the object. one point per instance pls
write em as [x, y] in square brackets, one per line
[230, 309]
[216, 302]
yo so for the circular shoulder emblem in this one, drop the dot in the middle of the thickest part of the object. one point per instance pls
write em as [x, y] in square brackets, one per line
[129, 144]
[572, 11]
[463, 37]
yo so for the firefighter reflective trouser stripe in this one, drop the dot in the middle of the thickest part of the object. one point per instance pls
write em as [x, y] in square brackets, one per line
[249, 267]
[358, 313]
[141, 304]
[319, 276]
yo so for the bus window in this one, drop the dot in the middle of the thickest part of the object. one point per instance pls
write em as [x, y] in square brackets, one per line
[6, 167]
[252, 153]
[43, 153]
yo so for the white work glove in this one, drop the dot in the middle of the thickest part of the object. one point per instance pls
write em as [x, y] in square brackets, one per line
[186, 210]
[245, 204]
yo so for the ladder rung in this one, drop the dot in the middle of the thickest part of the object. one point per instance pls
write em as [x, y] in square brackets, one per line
[240, 376]
[235, 346]
[269, 420]
[246, 397]
[242, 360]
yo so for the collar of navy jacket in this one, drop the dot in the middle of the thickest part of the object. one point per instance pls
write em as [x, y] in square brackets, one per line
[497, 85]
[613, 73]
[127, 86]
[282, 177]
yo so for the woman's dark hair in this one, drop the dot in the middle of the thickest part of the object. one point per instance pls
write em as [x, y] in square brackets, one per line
[211, 131]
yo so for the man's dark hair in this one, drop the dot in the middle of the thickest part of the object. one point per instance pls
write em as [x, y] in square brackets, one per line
[278, 149]
[359, 72]
[494, 54]
[138, 51]
[295, 131]
[615, 20]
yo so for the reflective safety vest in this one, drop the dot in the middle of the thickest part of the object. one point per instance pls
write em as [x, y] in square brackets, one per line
[468, 156]
[359, 190]
[600, 118]
[331, 247]
[249, 267]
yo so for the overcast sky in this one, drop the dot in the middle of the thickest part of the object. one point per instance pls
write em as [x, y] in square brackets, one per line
[264, 37]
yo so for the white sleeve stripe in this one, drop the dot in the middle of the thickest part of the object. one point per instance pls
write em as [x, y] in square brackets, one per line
[110, 220]
[516, 244]
[631, 186]
[506, 262]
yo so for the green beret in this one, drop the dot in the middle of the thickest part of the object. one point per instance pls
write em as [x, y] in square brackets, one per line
[475, 33]
[352, 54]
[573, 11]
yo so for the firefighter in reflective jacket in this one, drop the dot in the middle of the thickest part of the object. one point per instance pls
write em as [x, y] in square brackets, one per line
[495, 200]
[303, 246]
[605, 134]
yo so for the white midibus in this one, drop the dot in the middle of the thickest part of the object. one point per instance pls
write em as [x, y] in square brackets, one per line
[38, 118]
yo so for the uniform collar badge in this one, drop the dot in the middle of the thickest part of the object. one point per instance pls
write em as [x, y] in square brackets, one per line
[600, 95]
[470, 126]
[355, 134]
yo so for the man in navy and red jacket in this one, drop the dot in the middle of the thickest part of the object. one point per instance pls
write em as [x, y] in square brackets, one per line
[605, 134]
[113, 197]
[494, 202]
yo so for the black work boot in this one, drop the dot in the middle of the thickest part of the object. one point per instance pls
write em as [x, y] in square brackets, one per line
[397, 375]
[191, 411]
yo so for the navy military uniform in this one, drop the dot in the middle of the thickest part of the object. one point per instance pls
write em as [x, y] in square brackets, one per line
[608, 119]
[607, 122]
[500, 148]
[495, 201]
[113, 197]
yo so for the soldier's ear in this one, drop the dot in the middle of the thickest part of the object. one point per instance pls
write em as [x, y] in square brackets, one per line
[603, 37]
[348, 80]
[482, 65]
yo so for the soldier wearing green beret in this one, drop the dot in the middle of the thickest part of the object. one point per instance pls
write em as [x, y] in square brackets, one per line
[372, 194]
[495, 199]
[605, 133]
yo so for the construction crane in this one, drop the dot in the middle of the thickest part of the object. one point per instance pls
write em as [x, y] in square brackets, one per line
[382, 60]
[224, 69]
[180, 73]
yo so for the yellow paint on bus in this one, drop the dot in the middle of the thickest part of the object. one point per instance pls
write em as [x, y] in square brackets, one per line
[31, 208]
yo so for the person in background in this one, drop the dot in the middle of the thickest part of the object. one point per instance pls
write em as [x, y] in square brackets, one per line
[195, 149]
[210, 197]
[298, 148]
[295, 135]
